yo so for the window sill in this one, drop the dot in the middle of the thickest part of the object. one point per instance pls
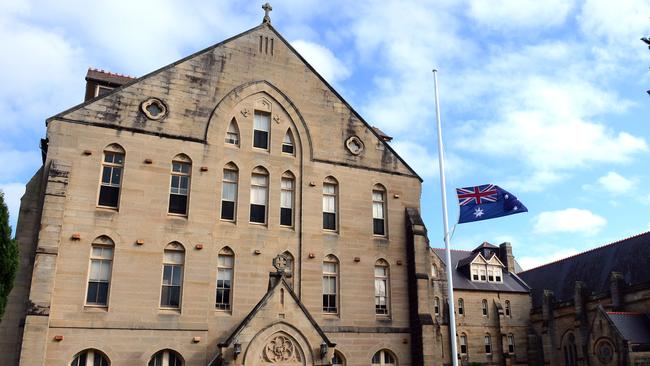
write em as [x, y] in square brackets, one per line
[107, 208]
[170, 311]
[331, 316]
[234, 222]
[384, 318]
[96, 308]
[261, 149]
[330, 232]
[285, 227]
[222, 312]
[178, 216]
[258, 223]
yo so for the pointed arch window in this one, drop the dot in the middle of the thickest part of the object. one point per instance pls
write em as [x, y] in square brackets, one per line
[287, 143]
[436, 305]
[382, 288]
[179, 191]
[463, 344]
[488, 344]
[508, 309]
[225, 274]
[484, 307]
[232, 134]
[379, 210]
[111, 182]
[229, 192]
[434, 271]
[172, 281]
[330, 203]
[261, 129]
[287, 186]
[99, 276]
[259, 195]
[90, 357]
[337, 359]
[511, 343]
[330, 284]
[384, 357]
[461, 307]
[166, 358]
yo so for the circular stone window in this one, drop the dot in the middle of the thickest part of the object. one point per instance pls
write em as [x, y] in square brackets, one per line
[605, 352]
[354, 145]
[153, 108]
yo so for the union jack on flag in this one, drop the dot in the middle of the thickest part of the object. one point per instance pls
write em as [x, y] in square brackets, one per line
[477, 195]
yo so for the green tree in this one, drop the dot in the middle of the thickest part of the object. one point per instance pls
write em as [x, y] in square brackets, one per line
[8, 256]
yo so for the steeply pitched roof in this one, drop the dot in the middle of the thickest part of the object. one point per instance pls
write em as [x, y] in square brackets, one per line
[633, 327]
[511, 283]
[484, 245]
[628, 256]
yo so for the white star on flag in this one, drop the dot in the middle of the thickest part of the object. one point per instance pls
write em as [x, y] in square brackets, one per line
[478, 212]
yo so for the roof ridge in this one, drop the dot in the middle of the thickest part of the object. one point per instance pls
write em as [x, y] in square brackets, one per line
[111, 73]
[589, 251]
[454, 250]
[624, 313]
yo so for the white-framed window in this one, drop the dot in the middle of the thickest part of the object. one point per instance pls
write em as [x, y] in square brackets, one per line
[172, 279]
[511, 343]
[261, 130]
[481, 272]
[484, 307]
[384, 357]
[225, 274]
[474, 272]
[99, 276]
[287, 187]
[461, 307]
[179, 191]
[379, 210]
[382, 288]
[338, 359]
[463, 344]
[287, 143]
[102, 90]
[330, 204]
[90, 357]
[259, 195]
[508, 309]
[111, 181]
[498, 274]
[232, 133]
[436, 305]
[488, 344]
[490, 273]
[229, 192]
[166, 358]
[330, 284]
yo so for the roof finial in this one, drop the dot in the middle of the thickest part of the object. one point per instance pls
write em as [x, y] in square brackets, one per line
[267, 9]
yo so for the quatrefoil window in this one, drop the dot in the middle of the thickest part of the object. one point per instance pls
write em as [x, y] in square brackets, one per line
[154, 108]
[354, 145]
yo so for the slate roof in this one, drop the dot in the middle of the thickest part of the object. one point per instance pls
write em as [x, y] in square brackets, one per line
[511, 283]
[484, 245]
[628, 256]
[633, 327]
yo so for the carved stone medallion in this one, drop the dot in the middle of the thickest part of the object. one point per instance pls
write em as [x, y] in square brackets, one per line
[154, 108]
[280, 262]
[281, 349]
[354, 145]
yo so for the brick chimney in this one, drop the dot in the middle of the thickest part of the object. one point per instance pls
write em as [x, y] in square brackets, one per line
[506, 257]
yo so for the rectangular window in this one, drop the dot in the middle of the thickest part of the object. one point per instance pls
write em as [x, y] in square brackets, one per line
[172, 282]
[381, 290]
[488, 345]
[109, 190]
[436, 306]
[259, 190]
[482, 273]
[463, 344]
[102, 90]
[224, 281]
[286, 202]
[329, 287]
[511, 343]
[474, 273]
[287, 144]
[490, 273]
[378, 213]
[229, 195]
[261, 126]
[329, 206]
[180, 188]
[498, 274]
[101, 260]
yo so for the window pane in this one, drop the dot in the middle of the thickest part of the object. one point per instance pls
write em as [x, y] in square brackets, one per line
[108, 196]
[116, 177]
[329, 221]
[230, 175]
[329, 204]
[258, 213]
[91, 297]
[178, 204]
[286, 216]
[287, 149]
[229, 191]
[261, 139]
[106, 174]
[378, 210]
[329, 188]
[102, 293]
[227, 210]
[378, 226]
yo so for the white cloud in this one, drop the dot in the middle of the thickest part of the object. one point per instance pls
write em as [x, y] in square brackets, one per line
[621, 20]
[323, 60]
[529, 262]
[519, 14]
[616, 183]
[12, 193]
[16, 164]
[426, 164]
[570, 220]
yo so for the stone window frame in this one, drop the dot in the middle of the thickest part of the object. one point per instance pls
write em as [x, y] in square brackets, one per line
[256, 128]
[287, 198]
[331, 211]
[113, 150]
[485, 308]
[90, 357]
[384, 357]
[508, 309]
[256, 189]
[436, 306]
[223, 267]
[101, 242]
[338, 359]
[173, 247]
[230, 168]
[379, 203]
[233, 135]
[178, 171]
[385, 278]
[144, 107]
[288, 143]
[461, 307]
[511, 343]
[463, 344]
[328, 275]
[487, 340]
[162, 358]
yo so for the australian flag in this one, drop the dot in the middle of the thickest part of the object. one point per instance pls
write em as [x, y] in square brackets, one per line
[486, 202]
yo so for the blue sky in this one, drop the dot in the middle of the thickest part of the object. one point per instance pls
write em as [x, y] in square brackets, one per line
[546, 99]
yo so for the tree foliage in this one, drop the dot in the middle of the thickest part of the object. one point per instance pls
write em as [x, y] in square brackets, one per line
[8, 256]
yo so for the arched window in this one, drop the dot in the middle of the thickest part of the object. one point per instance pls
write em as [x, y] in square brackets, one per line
[382, 288]
[112, 168]
[287, 143]
[259, 195]
[179, 191]
[384, 357]
[379, 210]
[232, 134]
[330, 284]
[508, 310]
[225, 274]
[90, 357]
[511, 343]
[330, 203]
[569, 349]
[461, 307]
[287, 186]
[463, 344]
[229, 192]
[99, 276]
[488, 344]
[166, 358]
[434, 271]
[436, 305]
[261, 129]
[290, 271]
[338, 359]
[484, 307]
[172, 281]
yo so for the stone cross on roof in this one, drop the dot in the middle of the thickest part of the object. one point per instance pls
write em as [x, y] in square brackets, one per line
[267, 9]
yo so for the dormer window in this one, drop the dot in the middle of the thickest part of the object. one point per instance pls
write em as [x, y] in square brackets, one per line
[497, 275]
[481, 272]
[486, 271]
[101, 90]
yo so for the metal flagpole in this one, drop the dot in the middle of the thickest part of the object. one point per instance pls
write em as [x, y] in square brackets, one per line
[445, 221]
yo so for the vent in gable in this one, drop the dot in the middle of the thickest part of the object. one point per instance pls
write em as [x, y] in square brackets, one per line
[266, 45]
